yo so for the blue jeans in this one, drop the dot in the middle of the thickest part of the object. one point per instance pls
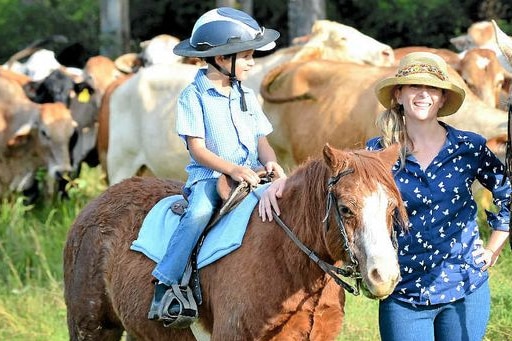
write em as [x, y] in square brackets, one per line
[463, 320]
[202, 202]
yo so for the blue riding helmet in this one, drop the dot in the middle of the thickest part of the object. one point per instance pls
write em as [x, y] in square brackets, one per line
[225, 31]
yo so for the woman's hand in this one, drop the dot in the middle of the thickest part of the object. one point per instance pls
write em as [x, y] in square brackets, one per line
[274, 167]
[268, 200]
[485, 255]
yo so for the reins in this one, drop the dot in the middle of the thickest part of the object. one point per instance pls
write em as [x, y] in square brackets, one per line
[349, 271]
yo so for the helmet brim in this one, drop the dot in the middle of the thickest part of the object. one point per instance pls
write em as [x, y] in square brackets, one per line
[264, 43]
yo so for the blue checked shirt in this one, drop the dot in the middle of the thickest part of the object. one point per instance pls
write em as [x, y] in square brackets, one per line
[229, 132]
[435, 258]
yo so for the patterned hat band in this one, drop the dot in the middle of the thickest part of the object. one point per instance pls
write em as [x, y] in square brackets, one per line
[422, 68]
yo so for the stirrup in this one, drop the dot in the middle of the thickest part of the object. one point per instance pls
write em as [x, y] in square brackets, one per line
[187, 313]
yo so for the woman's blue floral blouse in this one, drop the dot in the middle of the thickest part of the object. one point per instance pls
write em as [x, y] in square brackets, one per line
[435, 258]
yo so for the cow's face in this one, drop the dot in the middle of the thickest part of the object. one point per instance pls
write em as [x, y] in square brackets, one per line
[54, 133]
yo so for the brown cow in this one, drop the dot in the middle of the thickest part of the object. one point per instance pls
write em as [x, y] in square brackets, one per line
[103, 120]
[31, 136]
[325, 101]
[484, 75]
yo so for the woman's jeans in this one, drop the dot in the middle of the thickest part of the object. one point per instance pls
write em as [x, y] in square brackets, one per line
[463, 320]
[202, 202]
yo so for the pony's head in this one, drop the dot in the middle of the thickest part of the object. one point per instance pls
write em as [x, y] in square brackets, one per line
[364, 208]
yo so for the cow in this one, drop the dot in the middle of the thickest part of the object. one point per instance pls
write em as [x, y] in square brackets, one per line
[40, 62]
[485, 76]
[154, 51]
[141, 124]
[479, 35]
[311, 103]
[82, 95]
[32, 136]
[103, 122]
[138, 144]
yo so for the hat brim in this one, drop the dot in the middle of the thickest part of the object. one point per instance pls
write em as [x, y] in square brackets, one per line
[265, 43]
[454, 94]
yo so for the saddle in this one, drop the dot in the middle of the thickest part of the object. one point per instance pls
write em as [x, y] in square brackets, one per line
[188, 293]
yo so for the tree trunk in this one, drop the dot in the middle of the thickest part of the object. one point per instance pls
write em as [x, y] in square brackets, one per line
[115, 27]
[301, 16]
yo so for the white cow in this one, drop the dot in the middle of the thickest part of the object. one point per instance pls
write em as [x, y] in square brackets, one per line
[142, 132]
[142, 136]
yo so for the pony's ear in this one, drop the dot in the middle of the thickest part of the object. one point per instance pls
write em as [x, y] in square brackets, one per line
[390, 155]
[333, 157]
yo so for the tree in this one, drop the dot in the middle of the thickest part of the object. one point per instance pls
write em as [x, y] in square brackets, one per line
[115, 27]
[301, 16]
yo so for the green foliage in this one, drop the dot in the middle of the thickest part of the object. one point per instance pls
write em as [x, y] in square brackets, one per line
[32, 237]
[394, 22]
[23, 22]
[405, 23]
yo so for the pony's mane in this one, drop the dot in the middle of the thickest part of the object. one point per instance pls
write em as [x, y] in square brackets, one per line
[306, 187]
[305, 194]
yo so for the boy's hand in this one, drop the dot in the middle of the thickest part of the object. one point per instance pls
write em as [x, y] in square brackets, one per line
[240, 173]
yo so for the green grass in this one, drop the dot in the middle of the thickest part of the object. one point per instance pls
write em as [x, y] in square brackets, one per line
[31, 300]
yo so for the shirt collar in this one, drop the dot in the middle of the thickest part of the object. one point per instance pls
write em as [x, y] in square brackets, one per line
[204, 84]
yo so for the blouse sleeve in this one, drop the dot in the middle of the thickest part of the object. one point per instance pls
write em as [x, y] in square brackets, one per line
[491, 174]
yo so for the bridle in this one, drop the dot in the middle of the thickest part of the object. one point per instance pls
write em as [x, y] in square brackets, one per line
[348, 271]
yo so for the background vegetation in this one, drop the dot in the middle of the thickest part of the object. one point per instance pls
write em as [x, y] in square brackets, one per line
[394, 22]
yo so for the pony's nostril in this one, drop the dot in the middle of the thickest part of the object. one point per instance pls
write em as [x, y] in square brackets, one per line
[375, 276]
[378, 277]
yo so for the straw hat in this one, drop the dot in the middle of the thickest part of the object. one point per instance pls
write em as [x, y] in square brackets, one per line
[422, 68]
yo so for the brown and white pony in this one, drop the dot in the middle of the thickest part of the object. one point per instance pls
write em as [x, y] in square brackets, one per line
[268, 289]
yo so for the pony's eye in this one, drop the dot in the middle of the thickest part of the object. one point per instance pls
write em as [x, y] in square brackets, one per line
[345, 211]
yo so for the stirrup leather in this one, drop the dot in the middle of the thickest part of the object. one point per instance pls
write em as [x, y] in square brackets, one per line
[188, 313]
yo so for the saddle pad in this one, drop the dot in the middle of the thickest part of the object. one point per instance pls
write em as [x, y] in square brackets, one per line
[226, 236]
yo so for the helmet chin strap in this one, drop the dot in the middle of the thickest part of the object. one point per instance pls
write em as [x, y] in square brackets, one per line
[233, 80]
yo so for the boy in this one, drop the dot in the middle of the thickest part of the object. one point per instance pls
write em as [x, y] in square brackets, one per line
[224, 129]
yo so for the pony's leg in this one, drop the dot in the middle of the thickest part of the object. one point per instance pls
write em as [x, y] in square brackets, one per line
[329, 313]
[298, 327]
[89, 313]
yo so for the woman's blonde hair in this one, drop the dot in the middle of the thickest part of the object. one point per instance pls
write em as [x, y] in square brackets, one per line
[391, 123]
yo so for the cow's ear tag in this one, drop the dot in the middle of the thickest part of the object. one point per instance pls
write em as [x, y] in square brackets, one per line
[84, 96]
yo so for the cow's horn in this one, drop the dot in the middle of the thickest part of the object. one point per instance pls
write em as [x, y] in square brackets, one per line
[505, 44]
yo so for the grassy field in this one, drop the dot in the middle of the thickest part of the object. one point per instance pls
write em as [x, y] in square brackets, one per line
[31, 302]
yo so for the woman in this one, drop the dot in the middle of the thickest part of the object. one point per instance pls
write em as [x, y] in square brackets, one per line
[444, 291]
